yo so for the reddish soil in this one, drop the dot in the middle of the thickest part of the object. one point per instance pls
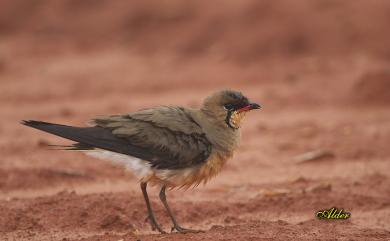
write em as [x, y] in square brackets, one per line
[320, 69]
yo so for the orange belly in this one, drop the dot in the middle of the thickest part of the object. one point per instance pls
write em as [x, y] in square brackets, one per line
[191, 176]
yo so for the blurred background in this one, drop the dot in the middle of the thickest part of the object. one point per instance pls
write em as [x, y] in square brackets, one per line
[320, 69]
[310, 52]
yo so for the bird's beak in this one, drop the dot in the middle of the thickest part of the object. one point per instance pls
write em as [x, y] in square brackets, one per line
[251, 106]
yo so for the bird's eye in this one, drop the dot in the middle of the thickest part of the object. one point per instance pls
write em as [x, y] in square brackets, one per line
[228, 107]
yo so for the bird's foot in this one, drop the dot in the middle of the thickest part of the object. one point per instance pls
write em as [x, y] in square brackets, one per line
[155, 226]
[185, 230]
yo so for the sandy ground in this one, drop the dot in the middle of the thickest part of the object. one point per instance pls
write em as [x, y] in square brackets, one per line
[320, 69]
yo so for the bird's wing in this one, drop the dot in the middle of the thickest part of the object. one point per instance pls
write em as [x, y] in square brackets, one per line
[168, 138]
[170, 134]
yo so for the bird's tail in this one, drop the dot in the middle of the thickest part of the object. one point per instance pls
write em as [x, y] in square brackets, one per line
[88, 138]
[68, 132]
[72, 147]
[114, 149]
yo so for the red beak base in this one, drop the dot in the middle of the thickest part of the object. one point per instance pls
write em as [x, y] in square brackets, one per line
[249, 107]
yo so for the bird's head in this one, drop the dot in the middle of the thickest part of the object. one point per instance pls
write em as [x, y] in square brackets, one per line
[228, 106]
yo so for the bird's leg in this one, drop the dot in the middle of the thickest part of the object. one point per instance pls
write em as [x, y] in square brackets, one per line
[176, 226]
[151, 217]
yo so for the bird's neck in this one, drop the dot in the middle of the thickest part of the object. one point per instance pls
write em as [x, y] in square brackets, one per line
[224, 139]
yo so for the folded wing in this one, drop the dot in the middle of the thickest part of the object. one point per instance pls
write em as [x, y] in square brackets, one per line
[167, 137]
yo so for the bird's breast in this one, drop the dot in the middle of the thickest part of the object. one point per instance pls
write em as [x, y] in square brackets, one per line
[191, 176]
[212, 166]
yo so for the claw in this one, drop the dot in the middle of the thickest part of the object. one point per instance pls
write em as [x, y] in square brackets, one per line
[154, 225]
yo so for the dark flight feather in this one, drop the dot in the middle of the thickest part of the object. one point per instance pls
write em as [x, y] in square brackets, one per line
[72, 147]
[160, 154]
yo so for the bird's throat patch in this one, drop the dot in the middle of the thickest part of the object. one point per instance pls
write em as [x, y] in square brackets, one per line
[234, 119]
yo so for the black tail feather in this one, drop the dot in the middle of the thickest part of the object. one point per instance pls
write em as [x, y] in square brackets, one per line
[72, 147]
[88, 138]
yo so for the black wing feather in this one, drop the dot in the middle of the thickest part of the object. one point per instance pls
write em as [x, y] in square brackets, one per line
[92, 136]
[103, 138]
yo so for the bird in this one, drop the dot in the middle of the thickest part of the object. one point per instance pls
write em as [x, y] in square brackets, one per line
[170, 147]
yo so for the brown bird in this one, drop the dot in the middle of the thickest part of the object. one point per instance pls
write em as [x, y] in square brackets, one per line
[171, 147]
